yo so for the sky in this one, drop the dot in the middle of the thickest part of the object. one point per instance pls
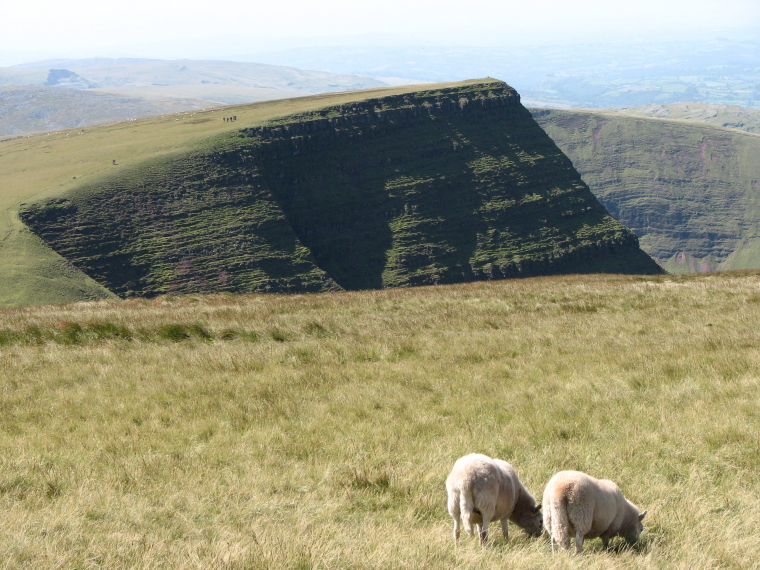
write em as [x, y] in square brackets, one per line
[191, 28]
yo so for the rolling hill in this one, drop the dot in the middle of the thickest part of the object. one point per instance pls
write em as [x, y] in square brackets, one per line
[377, 188]
[27, 109]
[716, 114]
[63, 94]
[689, 190]
[226, 82]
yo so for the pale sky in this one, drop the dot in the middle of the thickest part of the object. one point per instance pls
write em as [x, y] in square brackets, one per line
[90, 28]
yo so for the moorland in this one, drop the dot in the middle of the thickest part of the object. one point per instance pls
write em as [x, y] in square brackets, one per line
[34, 109]
[61, 94]
[316, 431]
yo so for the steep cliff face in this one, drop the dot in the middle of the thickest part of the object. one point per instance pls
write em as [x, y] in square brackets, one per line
[690, 192]
[435, 186]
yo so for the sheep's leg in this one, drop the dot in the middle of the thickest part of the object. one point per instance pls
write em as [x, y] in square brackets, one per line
[456, 531]
[484, 530]
[505, 528]
[605, 542]
[578, 542]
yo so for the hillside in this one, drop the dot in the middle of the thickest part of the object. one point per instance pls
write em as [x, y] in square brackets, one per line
[261, 432]
[689, 191]
[455, 183]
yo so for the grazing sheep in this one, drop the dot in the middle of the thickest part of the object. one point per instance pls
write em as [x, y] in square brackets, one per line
[481, 490]
[576, 503]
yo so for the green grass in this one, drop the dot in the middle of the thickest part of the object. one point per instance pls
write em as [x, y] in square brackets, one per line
[316, 431]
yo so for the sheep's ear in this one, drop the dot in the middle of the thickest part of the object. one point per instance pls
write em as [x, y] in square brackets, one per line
[642, 515]
[537, 508]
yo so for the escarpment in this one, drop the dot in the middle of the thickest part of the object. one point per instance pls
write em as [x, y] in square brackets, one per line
[436, 186]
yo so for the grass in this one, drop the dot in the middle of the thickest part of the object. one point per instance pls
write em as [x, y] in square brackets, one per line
[49, 164]
[316, 431]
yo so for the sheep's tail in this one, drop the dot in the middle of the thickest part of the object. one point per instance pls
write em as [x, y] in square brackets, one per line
[466, 506]
[559, 523]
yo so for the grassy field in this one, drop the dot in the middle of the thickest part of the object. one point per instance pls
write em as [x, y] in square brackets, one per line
[48, 164]
[316, 431]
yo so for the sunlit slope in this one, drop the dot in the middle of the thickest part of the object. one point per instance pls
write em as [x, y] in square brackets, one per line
[381, 188]
[691, 192]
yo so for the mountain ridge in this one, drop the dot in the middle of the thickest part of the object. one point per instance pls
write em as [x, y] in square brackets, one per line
[418, 188]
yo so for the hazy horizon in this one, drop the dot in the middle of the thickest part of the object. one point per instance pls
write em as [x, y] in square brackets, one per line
[87, 28]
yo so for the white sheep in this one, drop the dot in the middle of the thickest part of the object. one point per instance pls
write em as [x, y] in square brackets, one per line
[481, 490]
[577, 504]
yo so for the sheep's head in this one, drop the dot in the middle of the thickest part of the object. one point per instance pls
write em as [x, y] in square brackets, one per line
[531, 521]
[632, 535]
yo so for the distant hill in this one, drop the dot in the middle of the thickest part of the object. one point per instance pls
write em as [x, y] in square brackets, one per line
[62, 94]
[197, 78]
[38, 108]
[379, 188]
[728, 116]
[689, 190]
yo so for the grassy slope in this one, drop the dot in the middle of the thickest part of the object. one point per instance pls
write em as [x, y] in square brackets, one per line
[690, 192]
[46, 165]
[185, 220]
[320, 435]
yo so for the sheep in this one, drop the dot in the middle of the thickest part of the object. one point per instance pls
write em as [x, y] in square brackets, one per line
[576, 503]
[481, 490]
